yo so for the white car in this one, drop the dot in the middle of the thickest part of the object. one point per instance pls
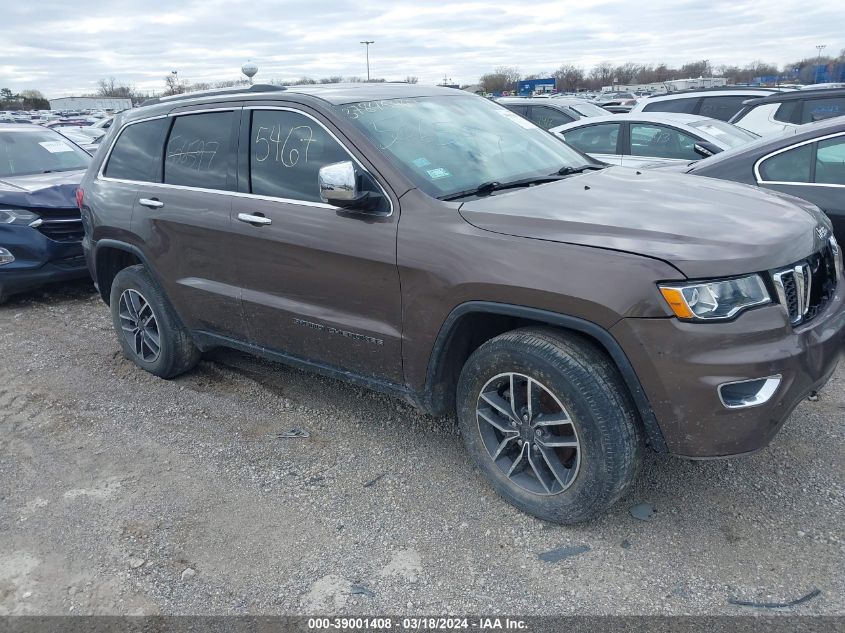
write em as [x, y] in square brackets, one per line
[634, 140]
[787, 110]
[716, 103]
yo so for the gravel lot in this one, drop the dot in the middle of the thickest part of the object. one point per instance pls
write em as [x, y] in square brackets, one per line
[124, 494]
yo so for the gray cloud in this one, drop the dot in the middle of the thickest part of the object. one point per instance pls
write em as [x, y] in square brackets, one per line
[62, 51]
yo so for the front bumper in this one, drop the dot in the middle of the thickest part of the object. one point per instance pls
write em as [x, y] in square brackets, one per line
[681, 366]
[38, 260]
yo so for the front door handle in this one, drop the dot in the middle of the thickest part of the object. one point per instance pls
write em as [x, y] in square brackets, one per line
[151, 203]
[254, 219]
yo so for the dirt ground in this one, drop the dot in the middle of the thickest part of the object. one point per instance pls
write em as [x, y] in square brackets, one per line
[121, 493]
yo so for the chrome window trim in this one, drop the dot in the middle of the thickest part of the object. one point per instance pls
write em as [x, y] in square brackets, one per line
[240, 194]
[759, 177]
[338, 141]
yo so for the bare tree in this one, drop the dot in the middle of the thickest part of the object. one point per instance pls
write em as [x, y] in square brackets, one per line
[111, 87]
[411, 79]
[334, 79]
[568, 78]
[172, 85]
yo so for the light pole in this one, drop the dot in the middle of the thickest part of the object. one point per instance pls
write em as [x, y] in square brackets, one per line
[367, 44]
[819, 48]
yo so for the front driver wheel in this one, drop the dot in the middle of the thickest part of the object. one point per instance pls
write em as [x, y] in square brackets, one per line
[547, 418]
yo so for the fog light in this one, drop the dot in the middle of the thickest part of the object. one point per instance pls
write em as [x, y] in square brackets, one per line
[748, 393]
[6, 257]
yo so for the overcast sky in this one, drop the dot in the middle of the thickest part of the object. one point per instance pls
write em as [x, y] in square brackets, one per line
[63, 48]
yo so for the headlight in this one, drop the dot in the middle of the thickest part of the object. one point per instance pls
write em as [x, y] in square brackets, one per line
[17, 216]
[713, 300]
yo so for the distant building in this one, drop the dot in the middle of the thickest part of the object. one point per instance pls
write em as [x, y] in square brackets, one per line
[672, 85]
[528, 87]
[90, 103]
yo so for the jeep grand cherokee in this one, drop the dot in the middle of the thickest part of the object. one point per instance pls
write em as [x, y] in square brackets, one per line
[438, 247]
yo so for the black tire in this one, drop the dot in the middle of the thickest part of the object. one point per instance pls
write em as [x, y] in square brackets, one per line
[176, 350]
[587, 384]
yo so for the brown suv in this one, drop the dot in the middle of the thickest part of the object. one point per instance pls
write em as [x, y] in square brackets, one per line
[438, 247]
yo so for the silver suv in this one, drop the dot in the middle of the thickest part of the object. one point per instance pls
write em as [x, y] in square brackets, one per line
[716, 103]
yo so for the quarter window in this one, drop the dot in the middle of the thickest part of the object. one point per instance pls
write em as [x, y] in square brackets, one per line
[548, 118]
[684, 106]
[286, 152]
[722, 108]
[137, 153]
[786, 111]
[816, 109]
[791, 166]
[199, 151]
[594, 139]
[830, 161]
[661, 142]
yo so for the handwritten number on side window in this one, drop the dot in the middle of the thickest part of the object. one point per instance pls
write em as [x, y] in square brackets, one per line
[287, 152]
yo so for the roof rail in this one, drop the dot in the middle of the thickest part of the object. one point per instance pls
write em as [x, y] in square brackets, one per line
[213, 93]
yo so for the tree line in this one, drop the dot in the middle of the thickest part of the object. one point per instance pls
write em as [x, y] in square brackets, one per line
[24, 100]
[570, 78]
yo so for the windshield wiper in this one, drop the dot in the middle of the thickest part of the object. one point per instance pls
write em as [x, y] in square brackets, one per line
[485, 189]
[566, 170]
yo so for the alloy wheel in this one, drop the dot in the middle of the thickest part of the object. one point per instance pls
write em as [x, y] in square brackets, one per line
[139, 325]
[528, 433]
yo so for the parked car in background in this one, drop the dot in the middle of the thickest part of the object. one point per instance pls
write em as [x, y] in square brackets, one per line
[616, 102]
[632, 140]
[40, 226]
[824, 86]
[567, 313]
[88, 138]
[807, 162]
[787, 110]
[717, 103]
[104, 123]
[549, 113]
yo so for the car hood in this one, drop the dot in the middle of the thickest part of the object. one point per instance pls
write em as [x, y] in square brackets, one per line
[56, 190]
[703, 227]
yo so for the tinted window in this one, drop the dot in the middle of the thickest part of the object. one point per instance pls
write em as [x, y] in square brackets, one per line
[786, 111]
[588, 109]
[661, 142]
[199, 151]
[791, 166]
[548, 118]
[672, 105]
[287, 150]
[137, 153]
[722, 108]
[521, 110]
[815, 109]
[594, 139]
[830, 161]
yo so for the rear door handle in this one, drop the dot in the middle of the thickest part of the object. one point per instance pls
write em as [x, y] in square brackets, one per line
[254, 219]
[151, 203]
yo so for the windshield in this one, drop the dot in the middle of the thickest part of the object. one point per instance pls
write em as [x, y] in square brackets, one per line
[450, 144]
[589, 109]
[24, 152]
[728, 134]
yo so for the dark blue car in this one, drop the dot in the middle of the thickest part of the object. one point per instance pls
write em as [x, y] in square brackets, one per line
[40, 226]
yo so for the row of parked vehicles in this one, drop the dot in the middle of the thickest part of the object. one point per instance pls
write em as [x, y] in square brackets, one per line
[444, 249]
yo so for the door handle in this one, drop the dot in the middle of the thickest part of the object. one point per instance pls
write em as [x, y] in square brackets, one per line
[254, 219]
[151, 203]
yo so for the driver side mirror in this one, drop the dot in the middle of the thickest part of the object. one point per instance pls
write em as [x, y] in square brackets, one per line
[339, 186]
[705, 148]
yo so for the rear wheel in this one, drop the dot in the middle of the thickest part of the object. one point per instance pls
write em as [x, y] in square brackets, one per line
[547, 418]
[147, 327]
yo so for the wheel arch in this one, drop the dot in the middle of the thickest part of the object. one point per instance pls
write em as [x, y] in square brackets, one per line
[471, 324]
[110, 257]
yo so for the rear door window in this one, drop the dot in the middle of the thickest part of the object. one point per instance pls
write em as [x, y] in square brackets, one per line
[659, 141]
[794, 165]
[595, 139]
[722, 108]
[287, 150]
[824, 108]
[548, 118]
[200, 152]
[684, 106]
[137, 153]
[830, 161]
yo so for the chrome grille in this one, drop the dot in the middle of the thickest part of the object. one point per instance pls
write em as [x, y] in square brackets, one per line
[806, 287]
